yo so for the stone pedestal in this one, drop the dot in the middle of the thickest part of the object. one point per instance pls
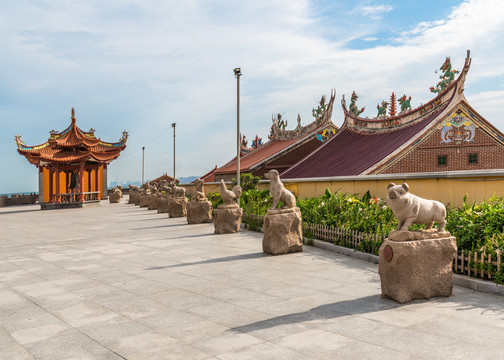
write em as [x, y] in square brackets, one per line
[114, 198]
[282, 231]
[133, 195]
[177, 207]
[163, 202]
[420, 268]
[136, 199]
[199, 212]
[144, 201]
[227, 219]
[152, 201]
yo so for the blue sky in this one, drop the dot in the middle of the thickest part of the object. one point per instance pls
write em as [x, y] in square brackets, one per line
[142, 65]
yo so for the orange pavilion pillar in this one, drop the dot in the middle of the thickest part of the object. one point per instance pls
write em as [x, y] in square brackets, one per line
[51, 192]
[81, 182]
[58, 198]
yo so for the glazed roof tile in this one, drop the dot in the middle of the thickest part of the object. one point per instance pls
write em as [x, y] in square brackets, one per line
[351, 152]
[270, 148]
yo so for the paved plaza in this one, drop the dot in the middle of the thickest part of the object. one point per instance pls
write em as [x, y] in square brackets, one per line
[121, 282]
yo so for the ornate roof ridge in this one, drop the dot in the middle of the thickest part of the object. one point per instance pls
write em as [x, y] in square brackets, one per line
[408, 116]
[322, 116]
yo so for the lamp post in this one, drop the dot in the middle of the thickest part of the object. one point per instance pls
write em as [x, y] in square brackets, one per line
[238, 73]
[173, 126]
[143, 162]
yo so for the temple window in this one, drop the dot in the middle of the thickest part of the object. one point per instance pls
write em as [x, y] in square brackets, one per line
[473, 158]
[442, 160]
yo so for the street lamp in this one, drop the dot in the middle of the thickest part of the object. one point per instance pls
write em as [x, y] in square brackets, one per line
[143, 161]
[173, 126]
[238, 73]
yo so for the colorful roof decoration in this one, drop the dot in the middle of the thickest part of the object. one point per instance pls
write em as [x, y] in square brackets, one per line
[72, 145]
[368, 146]
[282, 140]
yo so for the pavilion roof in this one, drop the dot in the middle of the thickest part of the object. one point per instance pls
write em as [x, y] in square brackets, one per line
[72, 145]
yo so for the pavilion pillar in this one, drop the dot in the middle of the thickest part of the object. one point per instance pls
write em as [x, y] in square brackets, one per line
[97, 186]
[90, 187]
[41, 185]
[105, 192]
[51, 192]
[58, 198]
[81, 182]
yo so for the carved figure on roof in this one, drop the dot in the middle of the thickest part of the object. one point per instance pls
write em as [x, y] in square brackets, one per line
[229, 195]
[446, 77]
[243, 142]
[353, 108]
[199, 193]
[319, 111]
[298, 122]
[405, 103]
[256, 142]
[278, 125]
[382, 110]
[18, 140]
[123, 137]
[448, 74]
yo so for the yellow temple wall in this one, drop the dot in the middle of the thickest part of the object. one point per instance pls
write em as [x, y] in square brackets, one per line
[447, 188]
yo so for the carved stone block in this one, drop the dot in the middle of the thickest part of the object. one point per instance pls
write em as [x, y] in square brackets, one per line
[282, 231]
[114, 198]
[177, 207]
[163, 202]
[152, 201]
[417, 269]
[144, 200]
[227, 219]
[199, 212]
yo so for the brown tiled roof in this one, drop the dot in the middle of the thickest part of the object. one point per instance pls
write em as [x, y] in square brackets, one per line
[350, 152]
[270, 148]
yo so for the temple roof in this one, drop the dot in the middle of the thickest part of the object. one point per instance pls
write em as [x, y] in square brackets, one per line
[362, 144]
[282, 140]
[72, 145]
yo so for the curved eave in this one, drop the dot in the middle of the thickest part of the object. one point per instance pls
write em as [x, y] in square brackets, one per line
[416, 113]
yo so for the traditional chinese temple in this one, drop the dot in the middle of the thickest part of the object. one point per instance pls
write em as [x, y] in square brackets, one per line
[445, 134]
[284, 147]
[72, 165]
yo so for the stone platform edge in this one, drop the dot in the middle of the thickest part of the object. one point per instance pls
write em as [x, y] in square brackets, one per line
[459, 280]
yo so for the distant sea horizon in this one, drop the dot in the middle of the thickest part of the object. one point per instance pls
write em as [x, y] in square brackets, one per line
[19, 193]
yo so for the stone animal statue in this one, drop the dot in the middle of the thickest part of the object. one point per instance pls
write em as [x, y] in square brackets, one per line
[199, 193]
[229, 195]
[164, 186]
[279, 192]
[411, 209]
[177, 191]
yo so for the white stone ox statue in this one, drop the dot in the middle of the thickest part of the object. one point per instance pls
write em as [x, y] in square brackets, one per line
[411, 209]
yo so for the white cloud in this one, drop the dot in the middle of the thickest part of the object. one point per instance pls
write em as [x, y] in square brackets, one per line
[375, 12]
